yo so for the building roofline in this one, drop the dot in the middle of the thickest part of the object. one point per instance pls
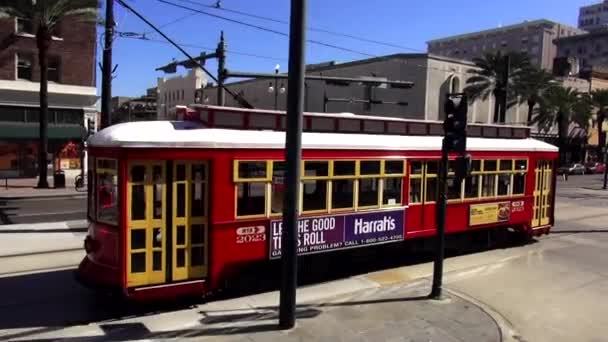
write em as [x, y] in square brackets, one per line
[498, 29]
[337, 66]
[603, 32]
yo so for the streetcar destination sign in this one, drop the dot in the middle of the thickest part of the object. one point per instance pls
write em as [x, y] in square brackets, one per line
[332, 232]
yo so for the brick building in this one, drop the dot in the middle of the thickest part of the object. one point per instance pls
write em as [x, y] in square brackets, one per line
[72, 91]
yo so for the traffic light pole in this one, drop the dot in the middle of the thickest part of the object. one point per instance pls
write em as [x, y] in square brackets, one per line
[440, 237]
[293, 157]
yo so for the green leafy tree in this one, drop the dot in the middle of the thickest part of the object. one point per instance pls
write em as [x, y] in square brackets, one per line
[489, 79]
[600, 102]
[45, 16]
[530, 86]
[563, 107]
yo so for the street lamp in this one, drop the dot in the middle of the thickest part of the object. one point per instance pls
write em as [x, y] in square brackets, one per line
[276, 89]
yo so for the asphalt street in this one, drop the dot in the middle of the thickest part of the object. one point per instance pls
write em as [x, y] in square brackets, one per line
[553, 289]
[34, 210]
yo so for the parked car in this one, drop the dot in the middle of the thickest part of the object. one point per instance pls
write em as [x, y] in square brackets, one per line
[573, 169]
[595, 167]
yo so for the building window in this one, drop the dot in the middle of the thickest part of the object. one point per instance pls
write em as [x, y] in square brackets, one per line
[567, 52]
[24, 67]
[598, 48]
[24, 26]
[536, 38]
[53, 69]
[534, 50]
[503, 43]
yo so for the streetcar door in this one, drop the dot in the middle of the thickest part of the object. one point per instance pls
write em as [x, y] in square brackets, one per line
[189, 229]
[542, 193]
[423, 193]
[146, 223]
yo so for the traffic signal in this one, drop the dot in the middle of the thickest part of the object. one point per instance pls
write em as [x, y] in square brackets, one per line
[463, 167]
[455, 124]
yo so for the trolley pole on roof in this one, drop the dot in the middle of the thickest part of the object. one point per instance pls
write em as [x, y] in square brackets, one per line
[293, 156]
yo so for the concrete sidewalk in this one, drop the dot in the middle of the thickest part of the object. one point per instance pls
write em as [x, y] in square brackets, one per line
[368, 312]
[26, 188]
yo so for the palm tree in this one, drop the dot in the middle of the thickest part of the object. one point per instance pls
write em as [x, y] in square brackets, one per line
[530, 87]
[562, 107]
[600, 102]
[489, 79]
[45, 16]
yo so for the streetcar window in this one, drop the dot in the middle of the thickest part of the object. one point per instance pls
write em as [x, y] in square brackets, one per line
[415, 190]
[278, 187]
[369, 167]
[91, 187]
[431, 189]
[197, 191]
[489, 165]
[314, 195]
[251, 199]
[504, 183]
[476, 165]
[488, 188]
[107, 190]
[368, 192]
[519, 183]
[251, 170]
[316, 168]
[342, 193]
[391, 190]
[344, 168]
[506, 165]
[521, 165]
[416, 168]
[471, 186]
[393, 167]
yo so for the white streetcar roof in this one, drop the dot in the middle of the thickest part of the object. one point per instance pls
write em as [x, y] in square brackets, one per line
[187, 134]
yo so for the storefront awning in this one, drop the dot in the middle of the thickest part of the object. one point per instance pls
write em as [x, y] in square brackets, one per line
[30, 132]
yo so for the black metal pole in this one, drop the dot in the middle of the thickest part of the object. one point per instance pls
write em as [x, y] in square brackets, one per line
[605, 167]
[221, 66]
[440, 237]
[106, 76]
[276, 90]
[293, 156]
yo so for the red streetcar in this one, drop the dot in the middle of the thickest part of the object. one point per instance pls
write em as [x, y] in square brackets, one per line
[182, 207]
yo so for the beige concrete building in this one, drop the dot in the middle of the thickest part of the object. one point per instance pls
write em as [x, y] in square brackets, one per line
[593, 16]
[533, 37]
[178, 90]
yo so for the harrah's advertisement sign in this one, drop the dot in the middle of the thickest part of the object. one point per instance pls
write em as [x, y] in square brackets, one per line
[325, 233]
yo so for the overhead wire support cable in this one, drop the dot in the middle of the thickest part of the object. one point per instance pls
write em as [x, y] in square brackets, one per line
[314, 29]
[266, 29]
[239, 99]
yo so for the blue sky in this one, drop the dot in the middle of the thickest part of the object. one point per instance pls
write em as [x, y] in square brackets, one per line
[407, 23]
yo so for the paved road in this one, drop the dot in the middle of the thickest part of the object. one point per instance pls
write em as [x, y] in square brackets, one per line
[34, 210]
[550, 290]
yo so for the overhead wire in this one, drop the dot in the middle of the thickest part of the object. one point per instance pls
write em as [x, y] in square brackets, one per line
[266, 29]
[310, 28]
[238, 98]
[143, 37]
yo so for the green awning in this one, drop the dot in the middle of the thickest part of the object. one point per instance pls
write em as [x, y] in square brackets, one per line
[31, 132]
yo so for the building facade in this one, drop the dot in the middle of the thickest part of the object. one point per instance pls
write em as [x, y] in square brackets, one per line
[584, 51]
[143, 108]
[433, 77]
[593, 16]
[536, 38]
[179, 91]
[71, 88]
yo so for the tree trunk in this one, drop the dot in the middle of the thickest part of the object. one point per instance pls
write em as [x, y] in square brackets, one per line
[496, 107]
[531, 104]
[43, 39]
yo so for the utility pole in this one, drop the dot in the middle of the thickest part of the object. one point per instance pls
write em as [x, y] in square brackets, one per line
[293, 156]
[454, 140]
[276, 87]
[221, 66]
[106, 70]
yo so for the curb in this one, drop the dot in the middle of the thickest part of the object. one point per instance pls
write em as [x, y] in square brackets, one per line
[61, 226]
[45, 196]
